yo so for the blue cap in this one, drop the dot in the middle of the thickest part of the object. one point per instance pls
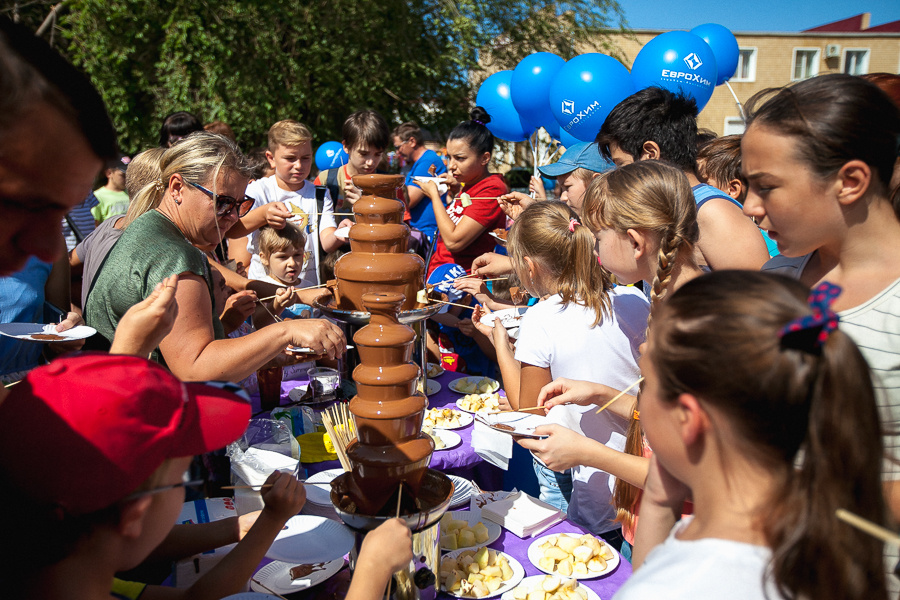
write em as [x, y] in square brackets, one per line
[442, 279]
[584, 155]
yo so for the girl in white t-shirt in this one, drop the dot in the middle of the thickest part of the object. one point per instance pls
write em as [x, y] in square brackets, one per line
[762, 412]
[581, 328]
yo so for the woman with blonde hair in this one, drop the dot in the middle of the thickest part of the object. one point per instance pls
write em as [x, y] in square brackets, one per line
[198, 197]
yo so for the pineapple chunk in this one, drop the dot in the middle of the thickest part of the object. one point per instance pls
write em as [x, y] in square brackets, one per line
[473, 568]
[480, 589]
[481, 533]
[565, 567]
[547, 564]
[492, 571]
[473, 577]
[579, 569]
[596, 564]
[454, 525]
[506, 571]
[465, 538]
[568, 543]
[520, 593]
[550, 584]
[556, 553]
[482, 557]
[537, 595]
[449, 542]
[493, 583]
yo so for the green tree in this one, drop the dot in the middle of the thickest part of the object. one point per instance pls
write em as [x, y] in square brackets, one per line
[253, 63]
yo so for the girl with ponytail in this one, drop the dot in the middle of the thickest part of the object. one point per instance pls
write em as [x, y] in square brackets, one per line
[762, 412]
[581, 328]
[644, 218]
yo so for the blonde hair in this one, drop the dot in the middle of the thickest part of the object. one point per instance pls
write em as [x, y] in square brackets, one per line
[585, 175]
[280, 240]
[650, 196]
[288, 133]
[550, 235]
[654, 197]
[142, 170]
[199, 157]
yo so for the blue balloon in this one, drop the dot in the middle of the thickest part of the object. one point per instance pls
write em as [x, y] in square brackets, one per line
[530, 86]
[552, 128]
[331, 155]
[494, 96]
[585, 90]
[724, 47]
[677, 61]
[567, 140]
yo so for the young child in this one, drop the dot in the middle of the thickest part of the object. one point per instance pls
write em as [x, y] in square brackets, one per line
[283, 254]
[645, 221]
[290, 154]
[464, 226]
[365, 138]
[574, 172]
[112, 196]
[760, 409]
[129, 429]
[582, 329]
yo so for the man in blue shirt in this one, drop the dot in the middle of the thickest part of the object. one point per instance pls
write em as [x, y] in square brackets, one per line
[409, 143]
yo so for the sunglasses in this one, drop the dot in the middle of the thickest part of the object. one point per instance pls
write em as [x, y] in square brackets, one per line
[187, 482]
[226, 204]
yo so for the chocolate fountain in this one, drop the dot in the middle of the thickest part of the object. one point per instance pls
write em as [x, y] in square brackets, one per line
[378, 283]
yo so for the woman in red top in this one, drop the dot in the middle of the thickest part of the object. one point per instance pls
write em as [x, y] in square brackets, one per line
[464, 226]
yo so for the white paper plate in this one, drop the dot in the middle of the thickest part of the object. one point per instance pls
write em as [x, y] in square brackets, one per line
[510, 318]
[483, 410]
[432, 387]
[451, 439]
[473, 518]
[437, 368]
[534, 555]
[277, 577]
[512, 582]
[454, 385]
[320, 493]
[465, 419]
[534, 582]
[499, 239]
[462, 491]
[522, 423]
[307, 539]
[342, 233]
[25, 331]
[251, 596]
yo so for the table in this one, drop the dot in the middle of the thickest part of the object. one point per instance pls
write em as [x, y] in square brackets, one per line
[461, 460]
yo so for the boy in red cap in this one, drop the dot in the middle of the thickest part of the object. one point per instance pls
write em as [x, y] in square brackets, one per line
[93, 455]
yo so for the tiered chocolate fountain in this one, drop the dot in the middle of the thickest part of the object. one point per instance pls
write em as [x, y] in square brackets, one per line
[389, 459]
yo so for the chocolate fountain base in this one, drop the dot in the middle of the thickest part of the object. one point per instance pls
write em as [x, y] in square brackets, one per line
[420, 581]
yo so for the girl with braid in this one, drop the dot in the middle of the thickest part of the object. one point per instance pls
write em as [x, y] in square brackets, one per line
[582, 328]
[644, 219]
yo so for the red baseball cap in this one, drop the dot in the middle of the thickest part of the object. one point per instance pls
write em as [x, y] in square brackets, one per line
[84, 432]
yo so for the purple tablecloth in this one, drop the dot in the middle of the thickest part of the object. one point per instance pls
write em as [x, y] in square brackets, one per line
[461, 460]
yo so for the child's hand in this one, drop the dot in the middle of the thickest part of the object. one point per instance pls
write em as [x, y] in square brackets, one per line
[536, 186]
[500, 338]
[309, 296]
[492, 264]
[514, 203]
[238, 307]
[284, 297]
[277, 214]
[474, 286]
[570, 391]
[485, 330]
[663, 489]
[145, 324]
[346, 223]
[352, 194]
[240, 269]
[285, 498]
[389, 546]
[563, 450]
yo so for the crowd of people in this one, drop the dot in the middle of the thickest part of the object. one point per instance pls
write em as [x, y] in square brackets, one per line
[732, 304]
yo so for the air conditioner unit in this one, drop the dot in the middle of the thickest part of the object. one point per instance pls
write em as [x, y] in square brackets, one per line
[832, 50]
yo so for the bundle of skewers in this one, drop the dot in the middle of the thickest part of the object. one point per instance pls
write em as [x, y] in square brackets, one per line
[341, 429]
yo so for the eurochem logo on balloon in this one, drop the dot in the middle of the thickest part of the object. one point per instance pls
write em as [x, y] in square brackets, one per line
[582, 114]
[693, 61]
[568, 107]
[691, 78]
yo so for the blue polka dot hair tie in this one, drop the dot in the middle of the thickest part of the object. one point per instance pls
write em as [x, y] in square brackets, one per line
[809, 333]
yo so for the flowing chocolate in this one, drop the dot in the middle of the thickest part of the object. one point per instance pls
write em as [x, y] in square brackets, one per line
[390, 449]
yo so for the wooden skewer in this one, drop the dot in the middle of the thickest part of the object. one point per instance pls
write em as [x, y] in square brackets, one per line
[312, 287]
[620, 394]
[521, 409]
[254, 487]
[451, 303]
[873, 529]
[268, 589]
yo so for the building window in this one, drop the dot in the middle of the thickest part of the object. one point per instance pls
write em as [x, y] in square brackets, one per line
[746, 67]
[806, 63]
[734, 126]
[856, 61]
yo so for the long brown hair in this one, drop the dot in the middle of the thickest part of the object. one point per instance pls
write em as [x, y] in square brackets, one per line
[807, 415]
[656, 198]
[550, 234]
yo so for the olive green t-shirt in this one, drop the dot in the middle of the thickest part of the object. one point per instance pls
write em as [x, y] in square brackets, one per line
[151, 249]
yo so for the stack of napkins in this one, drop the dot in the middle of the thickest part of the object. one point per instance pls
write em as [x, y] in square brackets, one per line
[522, 514]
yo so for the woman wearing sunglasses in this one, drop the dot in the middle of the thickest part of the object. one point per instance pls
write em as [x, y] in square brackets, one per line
[198, 197]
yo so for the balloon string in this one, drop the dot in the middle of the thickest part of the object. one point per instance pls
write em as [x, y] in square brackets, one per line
[736, 101]
[533, 140]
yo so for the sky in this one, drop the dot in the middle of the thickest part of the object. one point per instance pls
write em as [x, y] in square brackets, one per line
[752, 15]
